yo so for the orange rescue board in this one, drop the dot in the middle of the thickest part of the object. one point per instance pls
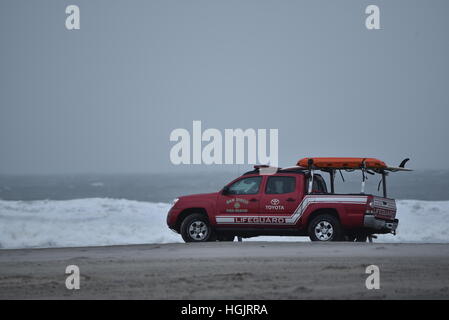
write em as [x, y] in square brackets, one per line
[350, 163]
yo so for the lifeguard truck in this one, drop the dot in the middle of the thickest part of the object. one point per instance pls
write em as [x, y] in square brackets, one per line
[290, 201]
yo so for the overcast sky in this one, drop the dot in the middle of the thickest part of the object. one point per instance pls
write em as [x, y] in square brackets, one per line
[105, 98]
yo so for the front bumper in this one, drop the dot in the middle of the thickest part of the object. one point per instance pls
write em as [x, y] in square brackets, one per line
[172, 215]
[379, 225]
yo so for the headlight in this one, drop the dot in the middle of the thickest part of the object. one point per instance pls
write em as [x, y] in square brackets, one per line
[174, 201]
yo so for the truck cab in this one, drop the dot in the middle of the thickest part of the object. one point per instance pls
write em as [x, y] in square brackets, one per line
[293, 201]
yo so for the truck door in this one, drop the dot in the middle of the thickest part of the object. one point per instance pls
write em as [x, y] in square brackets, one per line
[242, 198]
[280, 196]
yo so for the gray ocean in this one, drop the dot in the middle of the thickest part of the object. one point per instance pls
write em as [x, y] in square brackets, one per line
[419, 185]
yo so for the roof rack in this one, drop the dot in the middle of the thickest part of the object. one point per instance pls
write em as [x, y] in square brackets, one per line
[331, 165]
[266, 169]
[263, 169]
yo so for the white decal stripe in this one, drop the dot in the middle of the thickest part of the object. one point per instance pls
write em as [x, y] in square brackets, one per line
[293, 218]
[225, 219]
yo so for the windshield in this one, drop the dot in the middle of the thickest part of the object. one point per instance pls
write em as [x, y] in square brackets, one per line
[245, 186]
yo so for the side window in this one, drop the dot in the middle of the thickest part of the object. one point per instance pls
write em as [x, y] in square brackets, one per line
[279, 185]
[246, 186]
[319, 186]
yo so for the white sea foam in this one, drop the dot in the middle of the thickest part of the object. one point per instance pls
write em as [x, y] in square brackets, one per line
[100, 221]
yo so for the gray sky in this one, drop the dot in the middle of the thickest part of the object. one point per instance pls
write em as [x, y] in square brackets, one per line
[105, 98]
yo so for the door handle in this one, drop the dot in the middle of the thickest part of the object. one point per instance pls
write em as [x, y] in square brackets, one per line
[253, 200]
[290, 199]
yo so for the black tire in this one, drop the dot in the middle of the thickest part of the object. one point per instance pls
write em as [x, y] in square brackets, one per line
[196, 228]
[325, 227]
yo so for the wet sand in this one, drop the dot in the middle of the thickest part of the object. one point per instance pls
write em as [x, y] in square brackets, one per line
[223, 270]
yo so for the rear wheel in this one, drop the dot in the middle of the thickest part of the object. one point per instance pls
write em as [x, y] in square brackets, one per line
[325, 227]
[196, 228]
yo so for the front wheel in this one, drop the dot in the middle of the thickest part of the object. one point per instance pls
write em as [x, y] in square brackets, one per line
[325, 227]
[196, 228]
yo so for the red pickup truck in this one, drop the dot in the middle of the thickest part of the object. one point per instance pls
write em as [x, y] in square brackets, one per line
[289, 201]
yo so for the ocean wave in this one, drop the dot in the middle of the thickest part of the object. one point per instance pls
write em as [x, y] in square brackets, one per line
[103, 221]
